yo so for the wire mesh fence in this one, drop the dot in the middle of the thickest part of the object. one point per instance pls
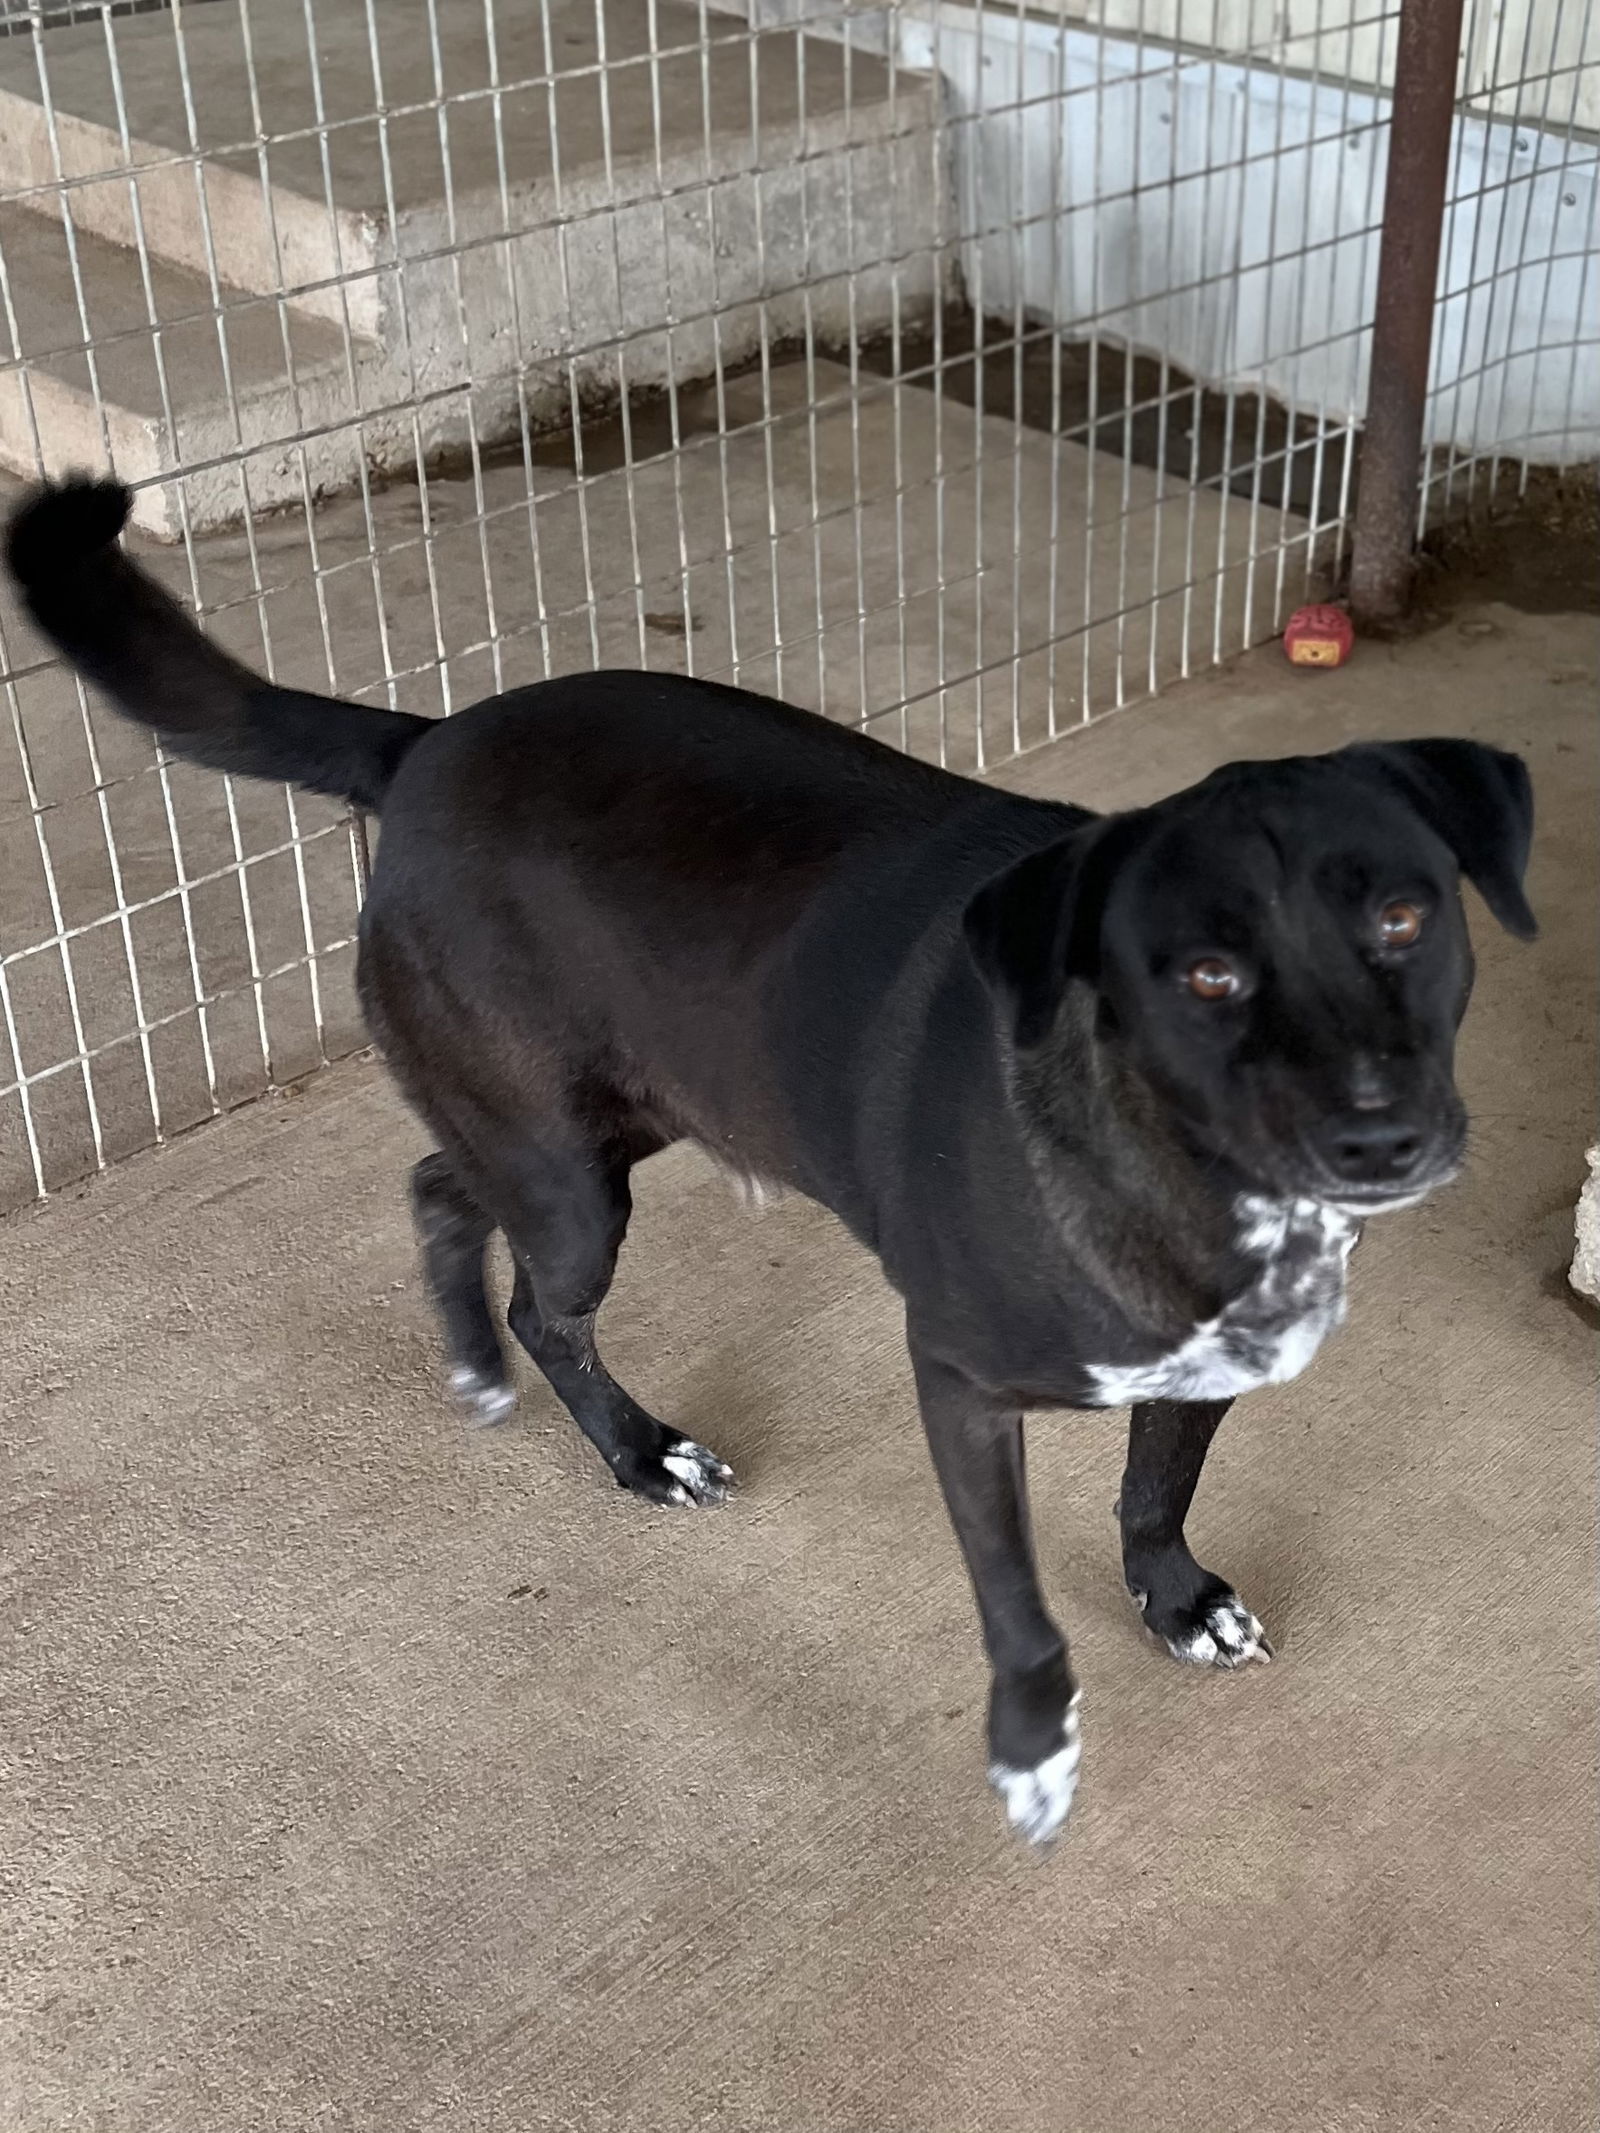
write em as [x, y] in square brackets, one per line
[962, 371]
[1518, 321]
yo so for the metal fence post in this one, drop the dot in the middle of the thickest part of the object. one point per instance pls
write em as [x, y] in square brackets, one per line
[1383, 564]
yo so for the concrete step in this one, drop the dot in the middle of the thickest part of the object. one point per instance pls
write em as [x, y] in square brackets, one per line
[105, 367]
[619, 216]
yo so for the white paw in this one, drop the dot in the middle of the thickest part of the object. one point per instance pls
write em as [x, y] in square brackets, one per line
[1039, 1800]
[1227, 1635]
[483, 1401]
[698, 1475]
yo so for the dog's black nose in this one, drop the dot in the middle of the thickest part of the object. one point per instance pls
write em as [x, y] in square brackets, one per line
[1371, 1148]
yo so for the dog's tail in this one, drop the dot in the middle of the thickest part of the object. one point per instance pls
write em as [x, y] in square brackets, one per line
[129, 637]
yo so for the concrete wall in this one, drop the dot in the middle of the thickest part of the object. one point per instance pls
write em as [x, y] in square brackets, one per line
[1538, 60]
[1508, 46]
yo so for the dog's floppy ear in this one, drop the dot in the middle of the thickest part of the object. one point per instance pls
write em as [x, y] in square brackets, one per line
[1037, 924]
[1478, 800]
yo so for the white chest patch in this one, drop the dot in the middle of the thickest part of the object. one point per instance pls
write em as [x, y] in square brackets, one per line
[1271, 1330]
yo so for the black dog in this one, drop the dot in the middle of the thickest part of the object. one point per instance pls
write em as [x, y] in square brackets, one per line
[1108, 1097]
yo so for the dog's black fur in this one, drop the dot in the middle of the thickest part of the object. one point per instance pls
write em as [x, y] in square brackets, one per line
[623, 909]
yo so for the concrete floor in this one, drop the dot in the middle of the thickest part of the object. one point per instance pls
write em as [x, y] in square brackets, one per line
[359, 1772]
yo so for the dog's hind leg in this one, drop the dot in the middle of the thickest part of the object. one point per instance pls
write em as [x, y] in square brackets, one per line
[1197, 1615]
[565, 1211]
[454, 1232]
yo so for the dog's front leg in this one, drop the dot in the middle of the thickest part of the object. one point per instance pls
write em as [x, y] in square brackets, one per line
[1197, 1615]
[976, 1442]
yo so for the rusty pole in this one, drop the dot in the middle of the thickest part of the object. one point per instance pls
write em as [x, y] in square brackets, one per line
[1383, 564]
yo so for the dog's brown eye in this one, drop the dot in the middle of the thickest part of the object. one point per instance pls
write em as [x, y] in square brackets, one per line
[1399, 924]
[1211, 979]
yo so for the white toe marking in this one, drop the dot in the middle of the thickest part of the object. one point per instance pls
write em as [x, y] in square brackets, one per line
[1231, 1636]
[1039, 1800]
[758, 1194]
[703, 1475]
[487, 1402]
[704, 1461]
[1232, 1628]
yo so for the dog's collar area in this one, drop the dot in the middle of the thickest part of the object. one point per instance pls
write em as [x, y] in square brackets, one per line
[1270, 1330]
[1267, 1226]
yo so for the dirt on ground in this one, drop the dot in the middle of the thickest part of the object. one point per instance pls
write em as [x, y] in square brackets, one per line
[1533, 544]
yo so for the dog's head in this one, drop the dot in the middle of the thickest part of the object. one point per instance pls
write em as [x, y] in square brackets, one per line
[1281, 953]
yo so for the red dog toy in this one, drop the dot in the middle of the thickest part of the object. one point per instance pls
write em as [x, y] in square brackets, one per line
[1319, 637]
